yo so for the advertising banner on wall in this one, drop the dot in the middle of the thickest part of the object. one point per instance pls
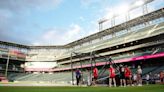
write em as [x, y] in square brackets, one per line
[14, 54]
[39, 66]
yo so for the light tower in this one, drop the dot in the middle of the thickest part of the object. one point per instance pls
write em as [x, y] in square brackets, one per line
[125, 9]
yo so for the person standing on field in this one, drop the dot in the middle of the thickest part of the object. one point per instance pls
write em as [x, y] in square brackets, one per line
[122, 76]
[128, 75]
[95, 75]
[78, 76]
[112, 76]
[139, 76]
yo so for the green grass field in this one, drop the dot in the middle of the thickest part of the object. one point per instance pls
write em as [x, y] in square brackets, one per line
[150, 88]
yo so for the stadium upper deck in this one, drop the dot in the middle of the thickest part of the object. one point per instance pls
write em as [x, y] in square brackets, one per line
[97, 40]
[100, 40]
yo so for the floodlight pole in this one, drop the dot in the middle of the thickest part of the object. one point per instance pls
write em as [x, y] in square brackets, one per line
[127, 17]
[7, 64]
[100, 26]
[113, 21]
[145, 10]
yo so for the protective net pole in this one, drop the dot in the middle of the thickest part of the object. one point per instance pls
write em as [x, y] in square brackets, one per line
[81, 66]
[7, 64]
[72, 70]
[91, 67]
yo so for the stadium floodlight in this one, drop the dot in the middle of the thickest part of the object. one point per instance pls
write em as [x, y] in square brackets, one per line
[102, 20]
[139, 3]
[123, 9]
[110, 14]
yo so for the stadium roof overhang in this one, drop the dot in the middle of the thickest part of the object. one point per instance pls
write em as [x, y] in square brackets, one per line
[14, 44]
[47, 47]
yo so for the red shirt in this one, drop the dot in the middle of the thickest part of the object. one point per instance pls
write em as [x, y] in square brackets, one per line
[112, 72]
[95, 72]
[127, 72]
[161, 75]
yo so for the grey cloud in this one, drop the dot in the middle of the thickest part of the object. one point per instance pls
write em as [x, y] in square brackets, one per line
[11, 12]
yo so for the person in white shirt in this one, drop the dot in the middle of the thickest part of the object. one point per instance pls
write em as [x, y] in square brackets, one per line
[134, 79]
[139, 76]
[147, 78]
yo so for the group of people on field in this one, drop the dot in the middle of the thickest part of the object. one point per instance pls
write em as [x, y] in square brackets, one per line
[125, 76]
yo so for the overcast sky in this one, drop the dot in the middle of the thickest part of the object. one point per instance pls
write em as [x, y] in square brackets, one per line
[54, 22]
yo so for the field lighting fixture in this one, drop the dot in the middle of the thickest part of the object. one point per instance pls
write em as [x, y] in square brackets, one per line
[123, 9]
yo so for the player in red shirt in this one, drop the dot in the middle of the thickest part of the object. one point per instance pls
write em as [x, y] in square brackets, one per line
[128, 75]
[95, 75]
[112, 76]
[162, 76]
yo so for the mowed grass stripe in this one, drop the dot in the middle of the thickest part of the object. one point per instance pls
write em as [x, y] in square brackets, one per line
[149, 88]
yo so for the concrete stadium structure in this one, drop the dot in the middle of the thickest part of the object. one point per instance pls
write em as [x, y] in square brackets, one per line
[131, 42]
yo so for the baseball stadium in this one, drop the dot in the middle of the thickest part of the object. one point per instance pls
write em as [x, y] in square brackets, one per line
[97, 62]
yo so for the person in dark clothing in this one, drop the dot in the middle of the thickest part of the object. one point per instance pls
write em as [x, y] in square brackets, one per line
[122, 76]
[78, 76]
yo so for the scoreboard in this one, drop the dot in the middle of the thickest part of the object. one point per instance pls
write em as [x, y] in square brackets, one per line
[13, 54]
